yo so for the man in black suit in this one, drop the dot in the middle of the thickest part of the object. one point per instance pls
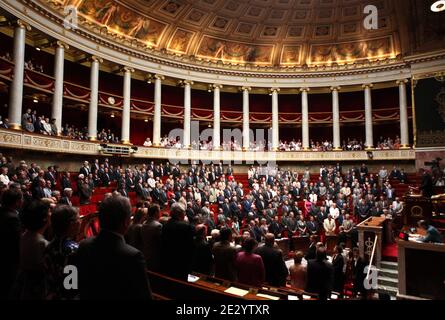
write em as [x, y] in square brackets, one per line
[109, 269]
[358, 273]
[10, 231]
[50, 175]
[85, 170]
[427, 184]
[177, 244]
[320, 275]
[66, 199]
[276, 270]
[311, 252]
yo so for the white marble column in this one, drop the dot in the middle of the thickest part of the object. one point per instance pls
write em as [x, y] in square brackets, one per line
[157, 111]
[125, 135]
[404, 135]
[59, 61]
[369, 144]
[275, 119]
[246, 119]
[94, 98]
[305, 118]
[335, 119]
[217, 116]
[187, 112]
[16, 89]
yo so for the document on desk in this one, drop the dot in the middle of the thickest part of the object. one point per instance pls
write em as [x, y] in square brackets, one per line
[262, 295]
[237, 291]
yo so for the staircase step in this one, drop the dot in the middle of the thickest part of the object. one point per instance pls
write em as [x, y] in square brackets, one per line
[388, 282]
[388, 290]
[389, 265]
[389, 273]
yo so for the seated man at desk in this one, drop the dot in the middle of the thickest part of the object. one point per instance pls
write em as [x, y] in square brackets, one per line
[432, 234]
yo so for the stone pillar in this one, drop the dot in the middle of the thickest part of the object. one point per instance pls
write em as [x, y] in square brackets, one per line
[157, 111]
[246, 119]
[217, 116]
[336, 143]
[305, 118]
[404, 131]
[94, 98]
[187, 112]
[125, 136]
[16, 89]
[59, 60]
[275, 119]
[369, 144]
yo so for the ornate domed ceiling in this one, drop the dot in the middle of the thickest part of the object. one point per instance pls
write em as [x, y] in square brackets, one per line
[278, 33]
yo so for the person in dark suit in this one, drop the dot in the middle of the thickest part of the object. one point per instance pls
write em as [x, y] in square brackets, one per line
[358, 273]
[50, 175]
[202, 257]
[311, 252]
[276, 270]
[427, 184]
[177, 244]
[109, 269]
[338, 263]
[10, 231]
[66, 199]
[225, 255]
[85, 170]
[66, 181]
[320, 275]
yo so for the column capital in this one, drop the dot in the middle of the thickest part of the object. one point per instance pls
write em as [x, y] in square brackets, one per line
[61, 44]
[401, 81]
[22, 24]
[159, 77]
[127, 69]
[367, 85]
[96, 58]
[335, 88]
[274, 90]
[245, 89]
[305, 89]
[186, 82]
[217, 86]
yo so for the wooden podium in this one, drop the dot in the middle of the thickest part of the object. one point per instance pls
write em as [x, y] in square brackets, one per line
[421, 270]
[417, 208]
[367, 232]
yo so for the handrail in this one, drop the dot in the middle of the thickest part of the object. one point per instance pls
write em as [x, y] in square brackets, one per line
[372, 257]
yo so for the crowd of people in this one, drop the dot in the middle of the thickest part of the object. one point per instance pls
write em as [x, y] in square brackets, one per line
[174, 229]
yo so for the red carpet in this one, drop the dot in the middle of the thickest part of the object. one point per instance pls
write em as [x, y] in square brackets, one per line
[389, 252]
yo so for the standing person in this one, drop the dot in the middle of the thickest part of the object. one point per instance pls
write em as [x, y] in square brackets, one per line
[151, 234]
[275, 267]
[338, 263]
[10, 230]
[30, 282]
[225, 255]
[65, 224]
[100, 259]
[298, 272]
[177, 237]
[133, 236]
[202, 258]
[250, 266]
[426, 186]
[320, 275]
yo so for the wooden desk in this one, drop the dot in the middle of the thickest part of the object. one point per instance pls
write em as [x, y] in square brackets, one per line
[367, 230]
[421, 270]
[300, 244]
[283, 244]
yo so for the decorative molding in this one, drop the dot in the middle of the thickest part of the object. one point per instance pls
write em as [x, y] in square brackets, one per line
[22, 140]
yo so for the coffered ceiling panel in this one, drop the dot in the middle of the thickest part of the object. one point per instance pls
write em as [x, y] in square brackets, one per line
[257, 32]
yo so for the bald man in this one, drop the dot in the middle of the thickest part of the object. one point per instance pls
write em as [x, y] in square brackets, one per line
[276, 270]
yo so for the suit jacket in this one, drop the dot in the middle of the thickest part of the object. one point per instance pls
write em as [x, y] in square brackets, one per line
[224, 255]
[320, 278]
[84, 171]
[177, 249]
[66, 183]
[65, 201]
[109, 269]
[10, 231]
[276, 270]
[151, 234]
